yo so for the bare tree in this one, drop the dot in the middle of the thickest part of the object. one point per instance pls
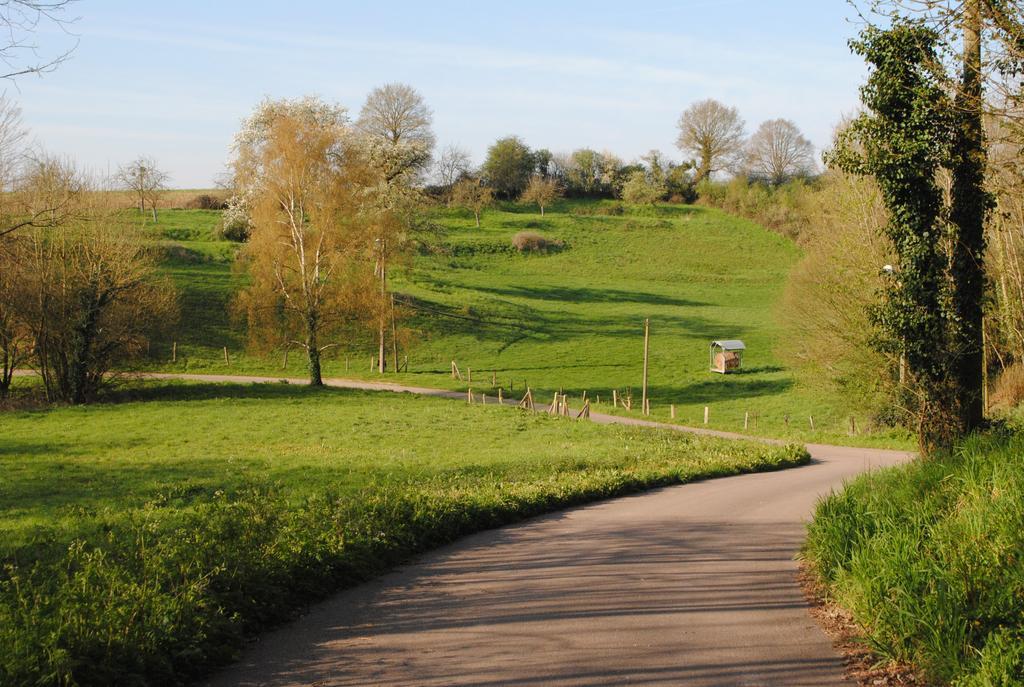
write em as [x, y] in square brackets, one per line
[453, 164]
[541, 192]
[145, 180]
[711, 133]
[86, 293]
[474, 196]
[20, 21]
[397, 113]
[778, 151]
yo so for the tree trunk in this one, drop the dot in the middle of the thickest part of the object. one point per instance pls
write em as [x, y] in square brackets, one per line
[313, 350]
[969, 207]
[476, 213]
[152, 206]
[541, 210]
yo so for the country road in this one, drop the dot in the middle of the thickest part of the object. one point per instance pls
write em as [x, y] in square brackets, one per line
[686, 585]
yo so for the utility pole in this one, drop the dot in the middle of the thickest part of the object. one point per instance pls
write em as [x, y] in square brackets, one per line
[381, 361]
[647, 338]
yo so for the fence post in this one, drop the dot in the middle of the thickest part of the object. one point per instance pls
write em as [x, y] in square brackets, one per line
[225, 355]
[469, 395]
[706, 413]
[811, 418]
[615, 398]
[500, 400]
[174, 352]
[672, 411]
[746, 419]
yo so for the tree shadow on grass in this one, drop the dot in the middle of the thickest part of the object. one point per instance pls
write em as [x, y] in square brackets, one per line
[205, 391]
[588, 295]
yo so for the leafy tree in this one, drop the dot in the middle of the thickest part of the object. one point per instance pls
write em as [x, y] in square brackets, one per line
[541, 192]
[508, 167]
[711, 133]
[902, 140]
[641, 189]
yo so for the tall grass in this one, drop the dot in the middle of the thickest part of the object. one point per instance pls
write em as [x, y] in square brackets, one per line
[929, 558]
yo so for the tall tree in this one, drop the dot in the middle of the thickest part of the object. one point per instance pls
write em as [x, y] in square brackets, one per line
[541, 192]
[301, 181]
[778, 152]
[508, 167]
[397, 113]
[902, 140]
[453, 164]
[711, 133]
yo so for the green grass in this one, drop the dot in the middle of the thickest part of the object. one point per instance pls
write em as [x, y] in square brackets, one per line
[143, 539]
[571, 320]
[929, 557]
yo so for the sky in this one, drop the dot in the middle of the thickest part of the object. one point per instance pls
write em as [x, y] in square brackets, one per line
[173, 81]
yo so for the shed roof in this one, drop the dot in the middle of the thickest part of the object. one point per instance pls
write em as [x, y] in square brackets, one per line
[730, 344]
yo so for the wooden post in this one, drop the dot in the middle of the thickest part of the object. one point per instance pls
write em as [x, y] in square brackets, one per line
[672, 411]
[500, 400]
[469, 395]
[174, 352]
[647, 336]
[615, 398]
[597, 399]
[225, 355]
[647, 406]
[483, 399]
[811, 419]
[853, 426]
[706, 413]
[746, 419]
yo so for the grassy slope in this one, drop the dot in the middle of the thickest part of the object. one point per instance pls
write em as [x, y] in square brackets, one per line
[930, 559]
[571, 320]
[142, 540]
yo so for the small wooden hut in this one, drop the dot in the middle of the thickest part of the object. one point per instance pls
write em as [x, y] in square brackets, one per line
[727, 355]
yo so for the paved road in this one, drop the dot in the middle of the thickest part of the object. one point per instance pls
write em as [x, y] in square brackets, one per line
[687, 585]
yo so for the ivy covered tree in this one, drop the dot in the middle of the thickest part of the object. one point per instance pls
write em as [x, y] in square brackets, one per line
[903, 140]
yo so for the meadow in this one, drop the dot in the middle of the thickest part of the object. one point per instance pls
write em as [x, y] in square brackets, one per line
[570, 319]
[142, 539]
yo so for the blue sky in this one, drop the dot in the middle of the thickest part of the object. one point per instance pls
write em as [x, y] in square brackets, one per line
[173, 80]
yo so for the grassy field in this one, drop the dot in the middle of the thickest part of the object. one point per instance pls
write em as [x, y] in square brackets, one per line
[142, 539]
[571, 320]
[929, 557]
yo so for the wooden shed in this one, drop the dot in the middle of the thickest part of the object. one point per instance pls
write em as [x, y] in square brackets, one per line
[727, 355]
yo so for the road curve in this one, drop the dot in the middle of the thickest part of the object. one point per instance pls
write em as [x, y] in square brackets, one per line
[686, 585]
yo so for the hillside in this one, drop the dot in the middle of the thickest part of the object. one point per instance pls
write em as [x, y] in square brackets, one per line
[571, 319]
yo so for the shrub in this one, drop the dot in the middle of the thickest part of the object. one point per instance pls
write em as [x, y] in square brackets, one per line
[236, 229]
[532, 242]
[206, 201]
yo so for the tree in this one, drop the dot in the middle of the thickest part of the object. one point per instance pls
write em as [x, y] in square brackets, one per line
[21, 19]
[541, 192]
[301, 178]
[87, 294]
[144, 179]
[452, 165]
[508, 167]
[711, 133]
[778, 152]
[397, 113]
[902, 140]
[642, 190]
[474, 196]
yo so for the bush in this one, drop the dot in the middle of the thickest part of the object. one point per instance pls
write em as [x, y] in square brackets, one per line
[206, 201]
[532, 242]
[928, 559]
[236, 229]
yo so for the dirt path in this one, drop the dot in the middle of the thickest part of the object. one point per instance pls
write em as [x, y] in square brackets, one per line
[693, 584]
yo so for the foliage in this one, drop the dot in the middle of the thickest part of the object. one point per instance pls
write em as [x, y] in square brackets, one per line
[508, 167]
[927, 557]
[903, 141]
[165, 577]
[788, 209]
[641, 190]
